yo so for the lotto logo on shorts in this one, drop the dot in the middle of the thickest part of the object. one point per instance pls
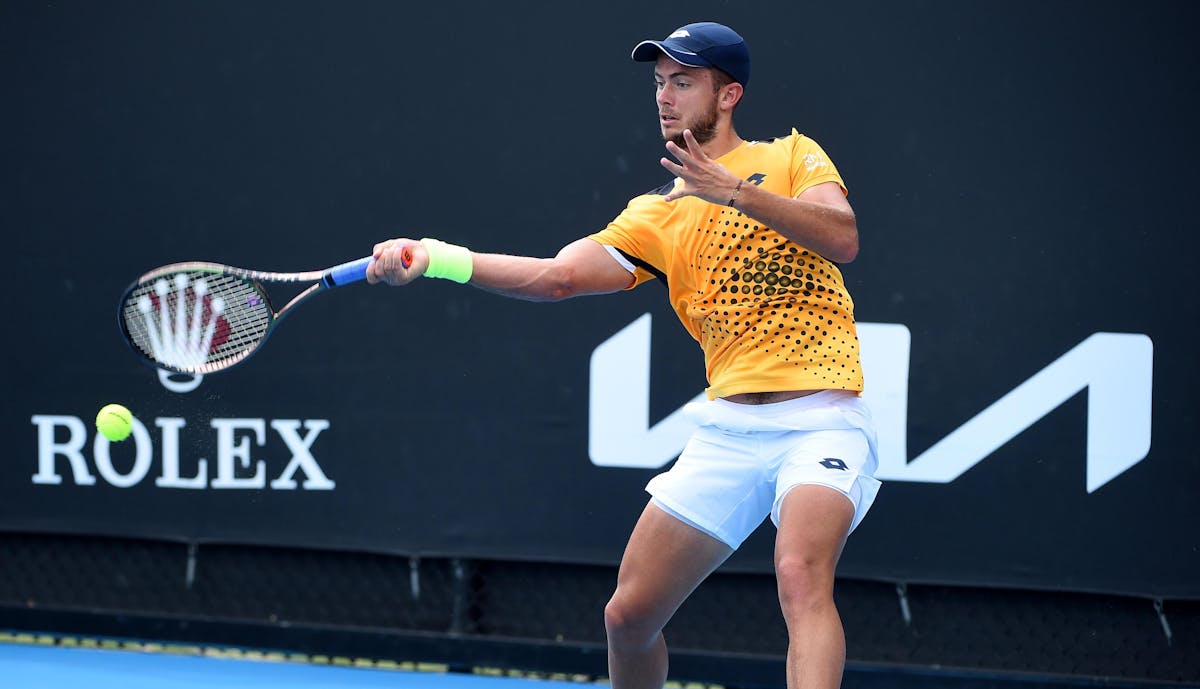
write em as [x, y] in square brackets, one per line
[833, 463]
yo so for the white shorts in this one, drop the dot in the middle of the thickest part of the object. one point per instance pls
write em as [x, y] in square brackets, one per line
[743, 459]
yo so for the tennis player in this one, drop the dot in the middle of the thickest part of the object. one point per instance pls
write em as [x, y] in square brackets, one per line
[748, 238]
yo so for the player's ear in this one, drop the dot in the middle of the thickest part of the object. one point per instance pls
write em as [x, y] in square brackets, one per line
[730, 95]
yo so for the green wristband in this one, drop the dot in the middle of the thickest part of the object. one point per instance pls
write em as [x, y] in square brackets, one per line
[448, 261]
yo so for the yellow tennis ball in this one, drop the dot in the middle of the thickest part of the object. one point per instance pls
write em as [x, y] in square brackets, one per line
[114, 422]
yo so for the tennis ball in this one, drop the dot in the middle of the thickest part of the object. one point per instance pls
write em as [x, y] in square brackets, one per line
[114, 422]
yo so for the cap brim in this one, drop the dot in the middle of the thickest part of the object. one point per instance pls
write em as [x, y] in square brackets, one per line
[648, 51]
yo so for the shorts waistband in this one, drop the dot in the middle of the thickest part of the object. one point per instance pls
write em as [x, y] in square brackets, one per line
[827, 409]
[787, 407]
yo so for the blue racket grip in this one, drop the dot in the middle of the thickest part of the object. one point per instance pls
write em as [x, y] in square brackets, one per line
[346, 273]
[356, 271]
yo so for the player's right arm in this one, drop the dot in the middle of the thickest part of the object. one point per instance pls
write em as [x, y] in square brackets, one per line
[580, 268]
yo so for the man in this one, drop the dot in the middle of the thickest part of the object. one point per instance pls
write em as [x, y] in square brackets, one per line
[747, 238]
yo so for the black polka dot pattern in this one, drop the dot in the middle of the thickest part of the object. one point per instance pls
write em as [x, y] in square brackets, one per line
[773, 301]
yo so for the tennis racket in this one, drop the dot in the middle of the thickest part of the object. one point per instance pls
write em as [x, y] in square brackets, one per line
[206, 317]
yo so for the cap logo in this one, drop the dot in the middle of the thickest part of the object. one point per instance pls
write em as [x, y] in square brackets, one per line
[681, 33]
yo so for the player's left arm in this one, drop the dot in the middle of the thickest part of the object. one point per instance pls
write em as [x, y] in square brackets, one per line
[819, 219]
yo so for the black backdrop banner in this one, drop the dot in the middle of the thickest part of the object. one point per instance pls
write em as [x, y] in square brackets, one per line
[1024, 285]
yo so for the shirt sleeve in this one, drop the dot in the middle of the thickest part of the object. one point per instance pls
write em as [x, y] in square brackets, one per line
[636, 234]
[811, 166]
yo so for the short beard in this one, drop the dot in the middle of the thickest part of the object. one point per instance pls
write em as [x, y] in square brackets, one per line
[704, 128]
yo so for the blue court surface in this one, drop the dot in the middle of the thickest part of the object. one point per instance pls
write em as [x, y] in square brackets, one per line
[34, 666]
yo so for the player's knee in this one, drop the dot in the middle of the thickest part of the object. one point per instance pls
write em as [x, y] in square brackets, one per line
[804, 582]
[629, 624]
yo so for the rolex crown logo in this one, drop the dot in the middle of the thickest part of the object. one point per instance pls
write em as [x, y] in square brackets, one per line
[184, 325]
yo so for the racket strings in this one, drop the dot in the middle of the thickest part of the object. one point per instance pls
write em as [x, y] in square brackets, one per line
[196, 322]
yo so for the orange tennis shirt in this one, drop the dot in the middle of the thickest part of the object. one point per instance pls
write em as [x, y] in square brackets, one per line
[769, 314]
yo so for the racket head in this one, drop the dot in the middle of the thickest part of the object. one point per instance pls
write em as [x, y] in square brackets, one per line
[195, 318]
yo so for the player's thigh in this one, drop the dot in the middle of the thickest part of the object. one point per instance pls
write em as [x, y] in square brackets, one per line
[665, 560]
[814, 521]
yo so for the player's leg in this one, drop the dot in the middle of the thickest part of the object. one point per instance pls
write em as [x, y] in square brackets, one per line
[813, 523]
[824, 488]
[665, 560]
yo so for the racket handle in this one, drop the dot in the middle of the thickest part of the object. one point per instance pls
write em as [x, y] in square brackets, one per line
[356, 271]
[346, 273]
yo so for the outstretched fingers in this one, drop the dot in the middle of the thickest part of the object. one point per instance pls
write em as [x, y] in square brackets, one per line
[696, 173]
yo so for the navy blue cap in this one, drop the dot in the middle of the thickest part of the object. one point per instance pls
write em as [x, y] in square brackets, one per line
[703, 44]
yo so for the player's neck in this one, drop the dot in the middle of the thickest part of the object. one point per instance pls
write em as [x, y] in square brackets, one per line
[725, 141]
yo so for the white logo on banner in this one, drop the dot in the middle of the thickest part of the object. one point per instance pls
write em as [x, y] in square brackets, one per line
[236, 468]
[1118, 416]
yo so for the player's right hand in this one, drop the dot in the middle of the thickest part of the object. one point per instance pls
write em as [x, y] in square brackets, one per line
[397, 262]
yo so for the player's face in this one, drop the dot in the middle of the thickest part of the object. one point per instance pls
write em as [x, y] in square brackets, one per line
[686, 100]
